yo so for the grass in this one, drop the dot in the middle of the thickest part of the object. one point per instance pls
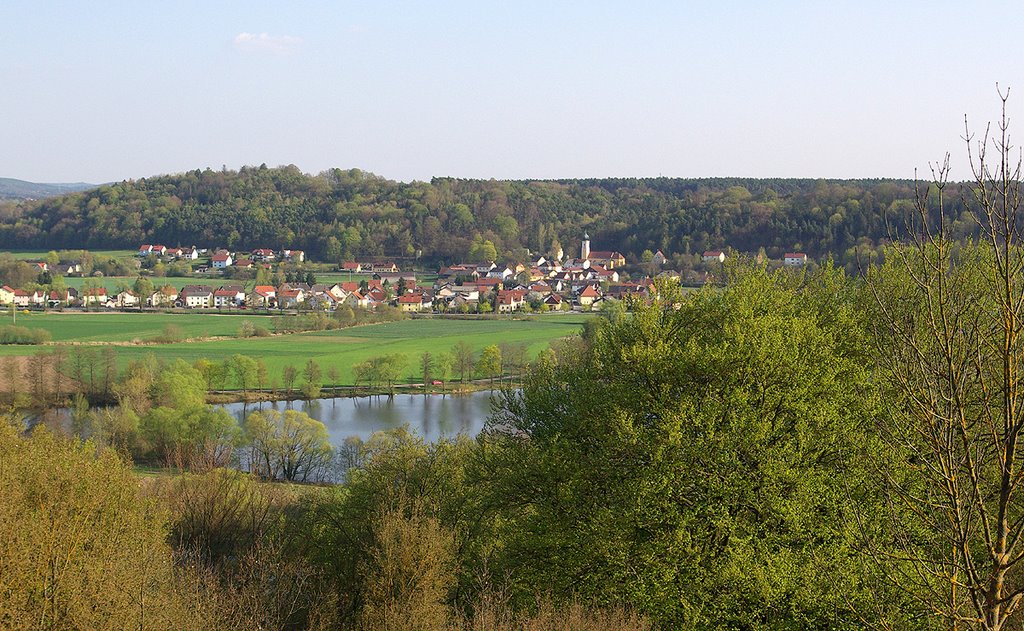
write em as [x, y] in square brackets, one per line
[339, 348]
[35, 255]
[127, 327]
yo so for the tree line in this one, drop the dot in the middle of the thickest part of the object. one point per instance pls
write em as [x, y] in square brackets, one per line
[342, 215]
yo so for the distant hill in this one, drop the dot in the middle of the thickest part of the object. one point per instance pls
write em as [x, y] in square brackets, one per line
[342, 215]
[20, 189]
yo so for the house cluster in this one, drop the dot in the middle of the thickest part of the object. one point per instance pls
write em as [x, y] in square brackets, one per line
[325, 297]
[355, 267]
[64, 268]
[367, 294]
[581, 283]
[221, 258]
[162, 251]
[328, 297]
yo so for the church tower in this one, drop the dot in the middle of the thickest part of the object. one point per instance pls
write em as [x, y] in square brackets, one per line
[585, 248]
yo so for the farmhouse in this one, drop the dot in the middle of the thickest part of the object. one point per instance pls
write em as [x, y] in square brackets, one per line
[510, 300]
[288, 298]
[711, 256]
[384, 268]
[228, 296]
[196, 296]
[263, 296]
[66, 269]
[794, 259]
[94, 296]
[410, 303]
[163, 297]
[58, 299]
[221, 259]
[587, 297]
[124, 299]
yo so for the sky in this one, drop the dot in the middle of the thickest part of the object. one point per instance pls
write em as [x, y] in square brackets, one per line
[103, 91]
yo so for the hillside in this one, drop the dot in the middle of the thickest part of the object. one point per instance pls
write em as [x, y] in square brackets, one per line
[20, 189]
[339, 214]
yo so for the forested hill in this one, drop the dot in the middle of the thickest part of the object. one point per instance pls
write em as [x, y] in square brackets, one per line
[339, 214]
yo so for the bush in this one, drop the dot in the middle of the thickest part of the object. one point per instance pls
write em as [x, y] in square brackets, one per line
[171, 334]
[12, 334]
[84, 550]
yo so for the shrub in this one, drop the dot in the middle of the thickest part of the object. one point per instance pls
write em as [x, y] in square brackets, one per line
[84, 549]
[171, 334]
[12, 334]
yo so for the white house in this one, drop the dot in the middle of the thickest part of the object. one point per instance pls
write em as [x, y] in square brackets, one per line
[124, 299]
[228, 296]
[794, 259]
[222, 260]
[94, 296]
[714, 256]
[196, 296]
[163, 297]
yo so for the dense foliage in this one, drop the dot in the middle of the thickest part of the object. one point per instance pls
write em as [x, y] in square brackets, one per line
[710, 460]
[339, 214]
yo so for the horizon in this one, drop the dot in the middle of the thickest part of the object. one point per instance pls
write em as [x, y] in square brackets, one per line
[519, 179]
[532, 92]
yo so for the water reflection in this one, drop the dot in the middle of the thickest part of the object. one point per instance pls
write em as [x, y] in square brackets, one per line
[431, 417]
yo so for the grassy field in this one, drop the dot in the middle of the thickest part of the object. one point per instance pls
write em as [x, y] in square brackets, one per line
[35, 255]
[128, 327]
[340, 348]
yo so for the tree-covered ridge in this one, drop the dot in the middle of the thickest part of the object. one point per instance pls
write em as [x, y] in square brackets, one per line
[338, 214]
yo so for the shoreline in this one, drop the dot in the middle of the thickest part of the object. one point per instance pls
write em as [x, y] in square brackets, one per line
[220, 397]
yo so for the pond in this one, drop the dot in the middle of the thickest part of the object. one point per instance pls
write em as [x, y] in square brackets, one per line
[431, 417]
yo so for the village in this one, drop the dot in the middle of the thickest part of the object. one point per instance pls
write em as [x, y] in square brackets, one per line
[546, 283]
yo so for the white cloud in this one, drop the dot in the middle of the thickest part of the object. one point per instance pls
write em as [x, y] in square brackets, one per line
[264, 42]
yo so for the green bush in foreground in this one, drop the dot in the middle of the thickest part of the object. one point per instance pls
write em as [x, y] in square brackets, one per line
[81, 549]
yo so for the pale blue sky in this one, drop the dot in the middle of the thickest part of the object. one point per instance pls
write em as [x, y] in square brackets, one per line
[100, 91]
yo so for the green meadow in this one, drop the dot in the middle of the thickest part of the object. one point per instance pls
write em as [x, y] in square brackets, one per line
[36, 255]
[130, 327]
[341, 348]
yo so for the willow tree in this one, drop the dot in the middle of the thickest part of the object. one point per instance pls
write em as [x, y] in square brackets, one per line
[948, 320]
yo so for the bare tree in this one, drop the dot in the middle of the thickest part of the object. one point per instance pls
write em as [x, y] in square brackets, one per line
[289, 373]
[427, 369]
[464, 360]
[60, 358]
[948, 334]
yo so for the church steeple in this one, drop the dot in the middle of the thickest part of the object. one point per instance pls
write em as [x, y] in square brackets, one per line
[585, 248]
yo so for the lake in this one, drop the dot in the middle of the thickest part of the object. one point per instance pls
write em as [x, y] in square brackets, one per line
[431, 417]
